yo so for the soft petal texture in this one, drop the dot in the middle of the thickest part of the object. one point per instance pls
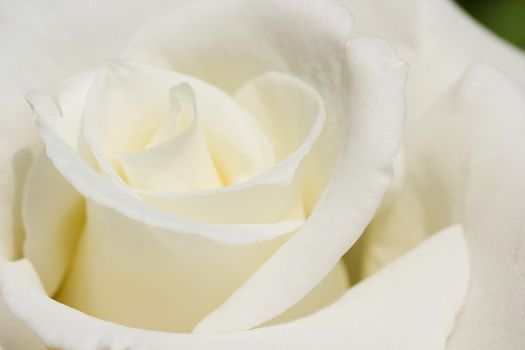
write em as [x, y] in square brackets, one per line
[438, 39]
[51, 223]
[493, 207]
[132, 274]
[352, 196]
[417, 298]
[180, 163]
[399, 225]
[15, 333]
[257, 203]
[290, 113]
[463, 164]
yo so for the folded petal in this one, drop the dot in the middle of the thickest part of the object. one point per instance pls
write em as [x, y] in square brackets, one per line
[182, 162]
[412, 304]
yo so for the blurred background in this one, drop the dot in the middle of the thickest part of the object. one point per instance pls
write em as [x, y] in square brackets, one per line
[504, 17]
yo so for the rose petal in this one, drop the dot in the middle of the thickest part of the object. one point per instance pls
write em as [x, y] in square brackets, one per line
[490, 122]
[15, 334]
[51, 225]
[182, 162]
[411, 304]
[272, 34]
[362, 175]
[291, 114]
[463, 166]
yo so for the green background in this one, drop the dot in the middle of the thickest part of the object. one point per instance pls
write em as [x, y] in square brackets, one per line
[504, 17]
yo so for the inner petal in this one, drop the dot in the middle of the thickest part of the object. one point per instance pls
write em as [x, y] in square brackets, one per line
[292, 115]
[183, 162]
[127, 108]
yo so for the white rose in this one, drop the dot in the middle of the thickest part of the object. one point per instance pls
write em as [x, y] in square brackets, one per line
[207, 167]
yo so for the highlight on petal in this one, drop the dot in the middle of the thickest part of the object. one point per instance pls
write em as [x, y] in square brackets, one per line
[411, 304]
[362, 175]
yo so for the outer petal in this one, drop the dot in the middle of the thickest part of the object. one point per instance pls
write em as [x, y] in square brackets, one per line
[492, 116]
[438, 39]
[464, 164]
[479, 177]
[16, 334]
[409, 305]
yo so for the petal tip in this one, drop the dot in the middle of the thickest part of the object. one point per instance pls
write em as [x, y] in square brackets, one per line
[43, 106]
[376, 50]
